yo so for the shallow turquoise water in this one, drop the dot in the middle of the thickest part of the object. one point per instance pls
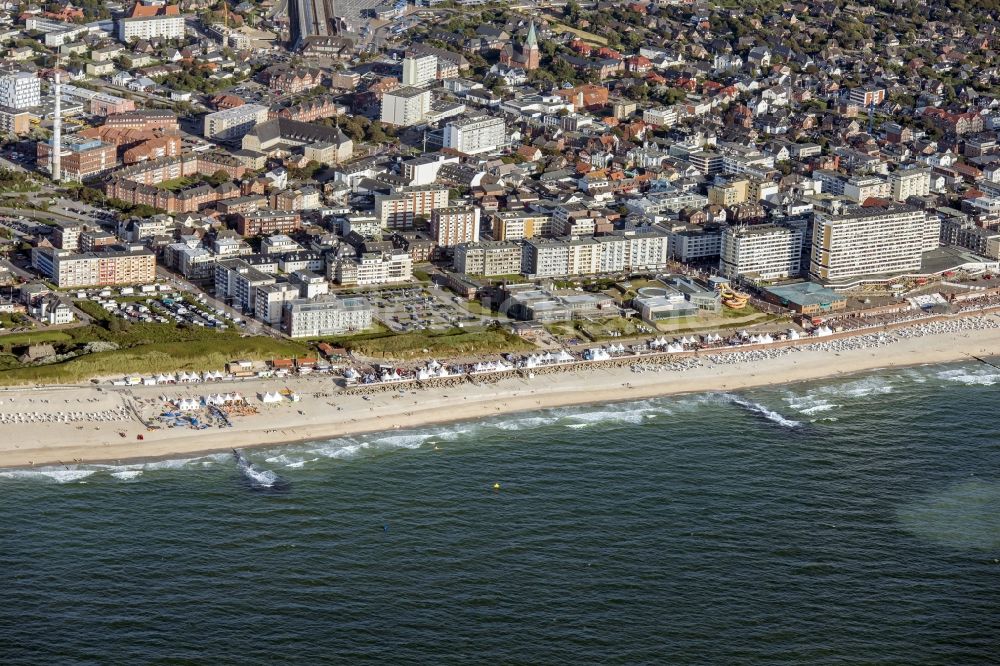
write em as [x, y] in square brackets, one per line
[854, 521]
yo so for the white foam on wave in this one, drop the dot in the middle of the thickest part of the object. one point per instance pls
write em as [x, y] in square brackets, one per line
[810, 404]
[970, 377]
[623, 416]
[300, 463]
[758, 408]
[263, 478]
[47, 474]
[401, 441]
[524, 423]
[127, 474]
[860, 388]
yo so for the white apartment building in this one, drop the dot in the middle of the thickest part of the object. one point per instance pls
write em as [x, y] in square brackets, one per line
[562, 257]
[418, 70]
[405, 106]
[867, 241]
[423, 170]
[237, 280]
[475, 135]
[639, 250]
[270, 299]
[695, 244]
[518, 225]
[910, 183]
[373, 268]
[326, 315]
[22, 90]
[398, 210]
[767, 252]
[235, 122]
[661, 116]
[488, 258]
[862, 188]
[455, 224]
[95, 269]
[152, 21]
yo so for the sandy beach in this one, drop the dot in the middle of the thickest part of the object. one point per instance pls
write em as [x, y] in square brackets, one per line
[103, 422]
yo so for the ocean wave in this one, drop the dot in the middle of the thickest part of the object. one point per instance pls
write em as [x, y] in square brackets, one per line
[127, 474]
[810, 404]
[970, 377]
[757, 408]
[524, 423]
[258, 478]
[48, 474]
[860, 388]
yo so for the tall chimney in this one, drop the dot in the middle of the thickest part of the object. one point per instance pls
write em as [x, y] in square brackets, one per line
[57, 135]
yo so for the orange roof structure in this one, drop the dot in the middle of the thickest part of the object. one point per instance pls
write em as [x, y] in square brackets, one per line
[149, 11]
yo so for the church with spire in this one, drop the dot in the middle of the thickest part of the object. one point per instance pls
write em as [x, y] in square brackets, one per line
[526, 55]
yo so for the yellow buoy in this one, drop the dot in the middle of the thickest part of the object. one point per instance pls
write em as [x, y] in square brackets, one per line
[496, 486]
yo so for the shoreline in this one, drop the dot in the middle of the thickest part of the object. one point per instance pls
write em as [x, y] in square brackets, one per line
[326, 413]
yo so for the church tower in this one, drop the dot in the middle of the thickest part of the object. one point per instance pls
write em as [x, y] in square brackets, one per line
[531, 55]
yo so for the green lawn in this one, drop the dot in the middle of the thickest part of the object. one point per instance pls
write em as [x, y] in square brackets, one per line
[745, 311]
[177, 184]
[601, 330]
[425, 344]
[475, 307]
[34, 337]
[588, 37]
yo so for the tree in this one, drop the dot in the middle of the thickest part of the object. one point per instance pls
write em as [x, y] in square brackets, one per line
[572, 11]
[218, 178]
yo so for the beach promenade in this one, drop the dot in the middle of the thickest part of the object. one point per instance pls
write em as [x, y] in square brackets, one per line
[103, 423]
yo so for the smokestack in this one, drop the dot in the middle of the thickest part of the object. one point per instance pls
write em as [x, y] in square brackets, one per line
[57, 135]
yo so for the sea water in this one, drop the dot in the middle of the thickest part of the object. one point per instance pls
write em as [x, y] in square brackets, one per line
[855, 520]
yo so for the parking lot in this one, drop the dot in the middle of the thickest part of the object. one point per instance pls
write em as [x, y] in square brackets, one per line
[162, 308]
[417, 309]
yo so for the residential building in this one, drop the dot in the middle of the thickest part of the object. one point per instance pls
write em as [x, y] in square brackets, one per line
[405, 106]
[488, 258]
[765, 252]
[867, 241]
[267, 221]
[863, 188]
[234, 123]
[372, 268]
[66, 235]
[661, 116]
[867, 95]
[728, 194]
[423, 170]
[399, 210]
[270, 299]
[518, 225]
[236, 281]
[696, 244]
[480, 134]
[21, 90]
[325, 315]
[908, 183]
[95, 269]
[14, 121]
[151, 21]
[452, 225]
[419, 69]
